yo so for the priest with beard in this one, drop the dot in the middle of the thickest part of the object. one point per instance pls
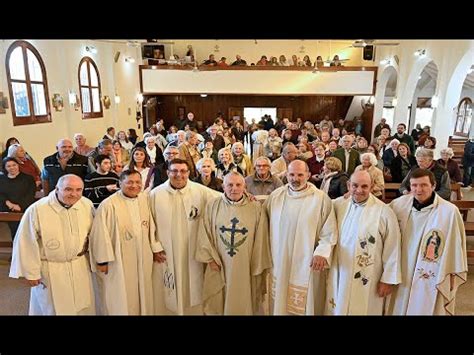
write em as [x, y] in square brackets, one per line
[303, 232]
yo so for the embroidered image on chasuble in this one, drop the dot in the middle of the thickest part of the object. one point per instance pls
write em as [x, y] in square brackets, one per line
[235, 236]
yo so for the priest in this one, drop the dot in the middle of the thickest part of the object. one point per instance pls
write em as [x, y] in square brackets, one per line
[235, 246]
[434, 259]
[177, 207]
[303, 232]
[122, 243]
[50, 251]
[366, 264]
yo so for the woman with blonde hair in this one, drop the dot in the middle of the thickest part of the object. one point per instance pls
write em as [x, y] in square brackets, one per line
[206, 168]
[226, 163]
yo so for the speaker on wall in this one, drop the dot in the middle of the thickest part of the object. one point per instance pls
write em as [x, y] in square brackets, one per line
[117, 56]
[369, 52]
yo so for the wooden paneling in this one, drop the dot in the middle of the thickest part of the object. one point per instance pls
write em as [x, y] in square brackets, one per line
[312, 108]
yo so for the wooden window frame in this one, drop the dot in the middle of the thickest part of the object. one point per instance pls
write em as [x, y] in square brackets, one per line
[465, 101]
[86, 115]
[32, 118]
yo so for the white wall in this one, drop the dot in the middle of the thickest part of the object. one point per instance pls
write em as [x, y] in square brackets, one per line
[264, 82]
[61, 59]
[355, 109]
[453, 59]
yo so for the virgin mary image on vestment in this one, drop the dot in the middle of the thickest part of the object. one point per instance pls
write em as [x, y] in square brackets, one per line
[432, 249]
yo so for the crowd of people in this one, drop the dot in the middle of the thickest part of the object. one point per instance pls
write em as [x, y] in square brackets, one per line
[187, 221]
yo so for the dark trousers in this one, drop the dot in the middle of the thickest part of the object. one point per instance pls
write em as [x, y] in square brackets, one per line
[13, 228]
[467, 178]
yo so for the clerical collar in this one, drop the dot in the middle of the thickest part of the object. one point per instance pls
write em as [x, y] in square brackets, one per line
[62, 203]
[239, 202]
[127, 197]
[359, 204]
[175, 188]
[419, 205]
[297, 191]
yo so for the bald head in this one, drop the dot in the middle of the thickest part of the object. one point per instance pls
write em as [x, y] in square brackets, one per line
[69, 189]
[297, 175]
[360, 186]
[234, 186]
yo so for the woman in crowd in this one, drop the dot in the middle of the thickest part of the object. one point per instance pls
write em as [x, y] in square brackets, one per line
[206, 168]
[369, 164]
[241, 159]
[307, 61]
[140, 162]
[374, 149]
[453, 167]
[124, 141]
[335, 180]
[305, 151]
[274, 145]
[26, 165]
[120, 154]
[402, 163]
[226, 164]
[132, 136]
[17, 190]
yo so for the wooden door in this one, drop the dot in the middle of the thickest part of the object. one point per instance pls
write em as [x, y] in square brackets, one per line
[235, 112]
[284, 112]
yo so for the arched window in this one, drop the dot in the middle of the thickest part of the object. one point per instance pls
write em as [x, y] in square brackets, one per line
[27, 84]
[463, 117]
[89, 84]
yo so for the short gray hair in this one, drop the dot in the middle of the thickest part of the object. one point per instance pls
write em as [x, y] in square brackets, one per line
[268, 161]
[12, 150]
[424, 153]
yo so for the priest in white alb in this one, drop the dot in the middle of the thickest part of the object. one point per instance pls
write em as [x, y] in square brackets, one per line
[366, 263]
[235, 246]
[50, 251]
[177, 207]
[122, 243]
[303, 232]
[434, 259]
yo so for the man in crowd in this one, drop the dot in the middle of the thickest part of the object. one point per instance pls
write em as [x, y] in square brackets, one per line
[50, 251]
[279, 166]
[81, 147]
[349, 157]
[303, 233]
[366, 265]
[262, 183]
[65, 161]
[234, 244]
[403, 137]
[122, 243]
[434, 261]
[177, 207]
[102, 183]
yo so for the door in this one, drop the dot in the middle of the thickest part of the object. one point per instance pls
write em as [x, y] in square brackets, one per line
[235, 112]
[284, 113]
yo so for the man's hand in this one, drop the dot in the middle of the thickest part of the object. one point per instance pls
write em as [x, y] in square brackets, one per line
[318, 263]
[214, 266]
[159, 257]
[112, 187]
[103, 268]
[383, 289]
[34, 283]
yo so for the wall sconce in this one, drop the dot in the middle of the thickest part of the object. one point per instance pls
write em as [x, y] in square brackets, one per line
[140, 98]
[386, 61]
[420, 53]
[117, 98]
[203, 95]
[129, 59]
[434, 101]
[72, 98]
[394, 102]
[91, 49]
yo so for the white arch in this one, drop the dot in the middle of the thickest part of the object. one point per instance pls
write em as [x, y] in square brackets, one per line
[405, 95]
[454, 89]
[380, 89]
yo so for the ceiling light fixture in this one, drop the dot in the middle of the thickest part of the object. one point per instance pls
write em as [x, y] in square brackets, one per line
[420, 53]
[91, 49]
[129, 59]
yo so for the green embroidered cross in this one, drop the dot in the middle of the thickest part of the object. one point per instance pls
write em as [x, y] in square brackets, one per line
[231, 246]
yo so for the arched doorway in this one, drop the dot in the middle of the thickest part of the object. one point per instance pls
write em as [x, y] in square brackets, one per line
[463, 111]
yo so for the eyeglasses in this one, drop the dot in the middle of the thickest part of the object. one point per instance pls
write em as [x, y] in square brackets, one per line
[262, 166]
[171, 153]
[175, 172]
